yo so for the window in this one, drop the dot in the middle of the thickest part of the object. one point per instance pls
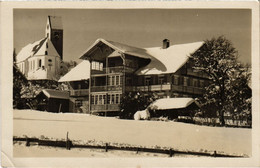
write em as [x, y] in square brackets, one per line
[185, 82]
[117, 80]
[100, 99]
[161, 80]
[49, 60]
[96, 99]
[189, 82]
[93, 65]
[46, 45]
[101, 66]
[112, 99]
[147, 81]
[202, 83]
[113, 81]
[117, 99]
[92, 99]
[79, 86]
[110, 80]
[104, 99]
[108, 99]
[195, 82]
[46, 52]
[176, 80]
[97, 66]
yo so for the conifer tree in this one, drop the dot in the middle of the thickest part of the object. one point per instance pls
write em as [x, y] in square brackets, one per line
[228, 91]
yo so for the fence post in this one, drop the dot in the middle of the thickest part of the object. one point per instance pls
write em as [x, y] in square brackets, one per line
[215, 154]
[106, 147]
[171, 152]
[68, 142]
[27, 142]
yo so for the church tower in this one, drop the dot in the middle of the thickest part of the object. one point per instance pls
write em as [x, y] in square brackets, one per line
[54, 32]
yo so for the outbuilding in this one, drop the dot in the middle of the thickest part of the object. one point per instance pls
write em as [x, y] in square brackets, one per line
[53, 100]
[173, 107]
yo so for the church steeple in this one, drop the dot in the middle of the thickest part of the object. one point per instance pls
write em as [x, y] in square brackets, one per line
[54, 32]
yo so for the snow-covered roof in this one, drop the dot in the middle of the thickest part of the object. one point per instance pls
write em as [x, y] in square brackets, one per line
[36, 48]
[121, 48]
[167, 60]
[79, 72]
[55, 22]
[171, 103]
[50, 93]
[29, 50]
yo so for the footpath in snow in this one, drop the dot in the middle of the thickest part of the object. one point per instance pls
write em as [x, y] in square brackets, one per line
[83, 128]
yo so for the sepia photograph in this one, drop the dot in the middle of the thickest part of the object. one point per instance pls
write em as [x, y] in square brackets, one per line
[138, 83]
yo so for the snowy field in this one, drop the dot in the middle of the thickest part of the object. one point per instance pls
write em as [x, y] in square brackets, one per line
[83, 128]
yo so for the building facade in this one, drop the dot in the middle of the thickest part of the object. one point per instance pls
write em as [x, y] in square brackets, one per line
[41, 60]
[116, 69]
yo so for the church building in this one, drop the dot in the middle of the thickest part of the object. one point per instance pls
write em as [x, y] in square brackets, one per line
[41, 60]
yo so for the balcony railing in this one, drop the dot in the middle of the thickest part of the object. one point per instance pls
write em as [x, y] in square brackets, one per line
[106, 88]
[79, 92]
[198, 74]
[117, 69]
[188, 89]
[104, 107]
[149, 88]
[178, 88]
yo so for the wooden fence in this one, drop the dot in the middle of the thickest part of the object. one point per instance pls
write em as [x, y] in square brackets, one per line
[68, 145]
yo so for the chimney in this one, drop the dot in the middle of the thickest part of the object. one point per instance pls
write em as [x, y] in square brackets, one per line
[166, 43]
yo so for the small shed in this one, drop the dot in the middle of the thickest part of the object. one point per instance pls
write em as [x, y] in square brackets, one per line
[173, 107]
[53, 100]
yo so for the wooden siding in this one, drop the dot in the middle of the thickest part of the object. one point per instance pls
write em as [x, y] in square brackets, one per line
[104, 107]
[79, 92]
[106, 88]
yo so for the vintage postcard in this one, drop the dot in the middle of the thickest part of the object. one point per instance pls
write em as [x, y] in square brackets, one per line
[130, 84]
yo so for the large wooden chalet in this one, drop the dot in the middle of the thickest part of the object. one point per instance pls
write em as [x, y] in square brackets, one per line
[116, 69]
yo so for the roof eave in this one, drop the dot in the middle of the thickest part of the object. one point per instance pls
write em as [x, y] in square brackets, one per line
[86, 54]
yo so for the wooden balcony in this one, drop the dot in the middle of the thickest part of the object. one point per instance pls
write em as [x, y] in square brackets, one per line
[79, 92]
[104, 107]
[149, 88]
[113, 70]
[188, 89]
[106, 88]
[197, 74]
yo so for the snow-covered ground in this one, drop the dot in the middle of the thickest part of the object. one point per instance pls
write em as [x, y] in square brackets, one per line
[83, 128]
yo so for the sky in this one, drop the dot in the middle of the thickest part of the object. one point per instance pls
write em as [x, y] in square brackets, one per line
[136, 27]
